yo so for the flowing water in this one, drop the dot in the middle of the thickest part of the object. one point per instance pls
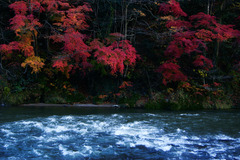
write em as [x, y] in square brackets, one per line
[63, 133]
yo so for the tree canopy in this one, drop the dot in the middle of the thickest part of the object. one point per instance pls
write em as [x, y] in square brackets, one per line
[115, 49]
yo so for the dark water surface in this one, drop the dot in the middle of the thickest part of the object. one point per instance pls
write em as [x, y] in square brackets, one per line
[64, 133]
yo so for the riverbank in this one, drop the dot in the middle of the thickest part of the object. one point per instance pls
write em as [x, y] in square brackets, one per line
[72, 105]
[147, 106]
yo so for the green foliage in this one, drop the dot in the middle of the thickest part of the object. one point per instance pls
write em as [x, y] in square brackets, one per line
[17, 98]
[99, 67]
[5, 92]
[175, 101]
[18, 91]
[234, 88]
[75, 97]
[54, 99]
[189, 97]
[185, 101]
[227, 104]
[4, 89]
[97, 100]
[129, 100]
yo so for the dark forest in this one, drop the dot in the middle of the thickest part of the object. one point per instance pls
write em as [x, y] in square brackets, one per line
[169, 55]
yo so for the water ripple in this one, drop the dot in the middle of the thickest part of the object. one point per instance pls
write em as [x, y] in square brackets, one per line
[116, 136]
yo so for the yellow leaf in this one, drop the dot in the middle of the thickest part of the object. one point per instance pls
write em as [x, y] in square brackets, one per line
[35, 62]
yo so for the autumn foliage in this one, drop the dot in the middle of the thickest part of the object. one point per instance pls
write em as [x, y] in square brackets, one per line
[115, 54]
[67, 23]
[86, 49]
[190, 36]
[171, 72]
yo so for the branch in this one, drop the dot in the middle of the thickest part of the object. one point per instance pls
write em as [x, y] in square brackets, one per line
[7, 72]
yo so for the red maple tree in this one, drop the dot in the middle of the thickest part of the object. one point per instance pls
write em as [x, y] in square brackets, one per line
[67, 23]
[190, 36]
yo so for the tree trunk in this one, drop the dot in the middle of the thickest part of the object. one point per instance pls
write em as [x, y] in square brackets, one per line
[208, 7]
[218, 42]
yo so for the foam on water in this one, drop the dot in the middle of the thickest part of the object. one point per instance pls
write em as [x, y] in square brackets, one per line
[116, 136]
[188, 114]
[8, 132]
[223, 137]
[56, 129]
[37, 152]
[65, 151]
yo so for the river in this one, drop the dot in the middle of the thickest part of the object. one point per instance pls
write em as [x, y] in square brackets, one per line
[71, 133]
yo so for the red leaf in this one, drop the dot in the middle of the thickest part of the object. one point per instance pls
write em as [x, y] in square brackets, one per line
[216, 84]
[125, 84]
[172, 7]
[18, 21]
[202, 61]
[116, 55]
[35, 5]
[171, 73]
[205, 35]
[8, 49]
[20, 7]
[203, 20]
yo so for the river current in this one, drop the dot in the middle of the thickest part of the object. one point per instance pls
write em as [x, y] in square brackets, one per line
[43, 133]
